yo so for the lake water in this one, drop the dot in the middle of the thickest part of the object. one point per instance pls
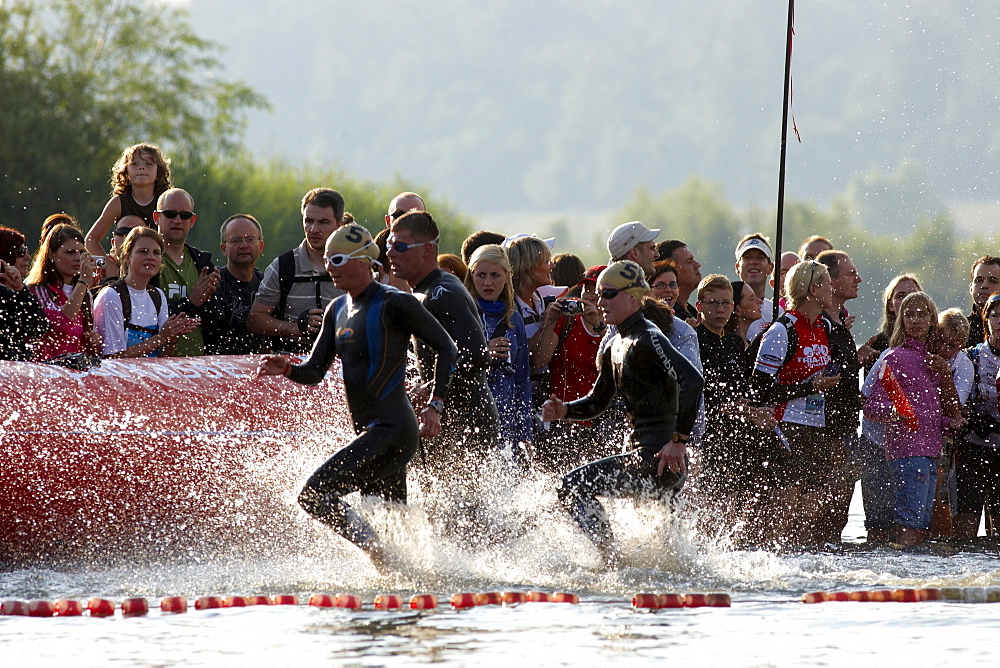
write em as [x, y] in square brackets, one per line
[766, 625]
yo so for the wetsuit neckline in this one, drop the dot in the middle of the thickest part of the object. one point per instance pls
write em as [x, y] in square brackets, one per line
[429, 278]
[631, 322]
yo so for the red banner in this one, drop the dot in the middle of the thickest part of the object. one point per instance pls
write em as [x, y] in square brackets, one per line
[170, 451]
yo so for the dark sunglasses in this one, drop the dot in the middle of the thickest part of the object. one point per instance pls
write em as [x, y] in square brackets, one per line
[173, 213]
[20, 251]
[610, 293]
[123, 231]
[400, 247]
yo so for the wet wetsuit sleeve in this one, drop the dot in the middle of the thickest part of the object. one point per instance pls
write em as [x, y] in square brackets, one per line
[689, 379]
[425, 327]
[764, 378]
[600, 396]
[324, 349]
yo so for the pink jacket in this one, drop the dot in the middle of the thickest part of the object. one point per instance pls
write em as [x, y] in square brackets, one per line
[921, 388]
[64, 335]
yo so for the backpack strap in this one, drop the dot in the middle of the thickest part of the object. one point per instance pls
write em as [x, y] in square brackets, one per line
[121, 288]
[287, 278]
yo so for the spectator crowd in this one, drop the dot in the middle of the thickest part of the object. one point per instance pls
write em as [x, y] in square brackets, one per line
[767, 414]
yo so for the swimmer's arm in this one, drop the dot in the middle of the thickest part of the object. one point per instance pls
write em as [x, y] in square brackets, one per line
[600, 396]
[426, 327]
[112, 212]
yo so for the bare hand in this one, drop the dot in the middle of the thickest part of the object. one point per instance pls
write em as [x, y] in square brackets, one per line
[551, 314]
[849, 321]
[272, 365]
[88, 268]
[866, 355]
[10, 276]
[821, 383]
[499, 348]
[208, 283]
[179, 325]
[553, 409]
[762, 418]
[430, 422]
[672, 456]
[694, 322]
[315, 319]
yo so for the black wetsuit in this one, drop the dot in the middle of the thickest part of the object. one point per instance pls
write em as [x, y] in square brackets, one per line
[370, 334]
[470, 424]
[660, 389]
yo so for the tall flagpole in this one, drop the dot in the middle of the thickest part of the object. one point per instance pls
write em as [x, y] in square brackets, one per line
[781, 168]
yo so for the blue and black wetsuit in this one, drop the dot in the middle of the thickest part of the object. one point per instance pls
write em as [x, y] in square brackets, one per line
[661, 390]
[371, 334]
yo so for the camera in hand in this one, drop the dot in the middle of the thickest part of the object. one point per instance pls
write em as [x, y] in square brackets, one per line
[571, 306]
[99, 260]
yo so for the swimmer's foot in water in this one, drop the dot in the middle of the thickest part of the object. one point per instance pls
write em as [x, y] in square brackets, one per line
[381, 559]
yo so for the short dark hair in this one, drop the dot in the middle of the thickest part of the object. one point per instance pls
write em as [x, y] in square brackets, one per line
[986, 259]
[477, 239]
[665, 249]
[569, 269]
[832, 260]
[419, 223]
[326, 198]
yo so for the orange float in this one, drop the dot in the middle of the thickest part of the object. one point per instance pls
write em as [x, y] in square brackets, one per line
[173, 605]
[41, 609]
[539, 597]
[388, 602]
[814, 597]
[423, 602]
[285, 599]
[719, 600]
[134, 607]
[349, 601]
[492, 598]
[459, 601]
[235, 602]
[100, 607]
[695, 601]
[322, 601]
[68, 608]
[14, 607]
[511, 597]
[565, 597]
[209, 603]
[258, 600]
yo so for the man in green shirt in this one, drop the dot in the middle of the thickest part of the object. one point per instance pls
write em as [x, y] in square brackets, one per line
[187, 276]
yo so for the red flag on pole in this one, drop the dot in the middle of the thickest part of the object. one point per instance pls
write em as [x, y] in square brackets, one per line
[899, 401]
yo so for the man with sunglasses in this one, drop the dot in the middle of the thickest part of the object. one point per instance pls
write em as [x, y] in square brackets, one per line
[403, 203]
[187, 276]
[369, 329]
[296, 287]
[470, 427]
[660, 388]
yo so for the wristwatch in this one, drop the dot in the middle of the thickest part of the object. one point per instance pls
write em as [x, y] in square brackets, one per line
[676, 438]
[437, 405]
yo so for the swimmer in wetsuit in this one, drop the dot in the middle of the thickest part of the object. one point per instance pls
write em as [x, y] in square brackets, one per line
[369, 328]
[471, 427]
[660, 388]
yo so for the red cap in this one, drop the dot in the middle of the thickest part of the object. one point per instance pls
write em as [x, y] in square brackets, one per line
[592, 273]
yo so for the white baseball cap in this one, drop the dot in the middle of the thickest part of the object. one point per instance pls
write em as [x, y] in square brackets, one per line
[625, 237]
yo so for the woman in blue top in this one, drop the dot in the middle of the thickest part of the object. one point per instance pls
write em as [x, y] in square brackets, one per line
[489, 281]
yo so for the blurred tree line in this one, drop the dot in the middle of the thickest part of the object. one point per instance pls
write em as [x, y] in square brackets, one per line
[83, 79]
[860, 222]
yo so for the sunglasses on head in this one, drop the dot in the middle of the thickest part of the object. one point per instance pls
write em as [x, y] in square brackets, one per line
[173, 213]
[400, 247]
[340, 259]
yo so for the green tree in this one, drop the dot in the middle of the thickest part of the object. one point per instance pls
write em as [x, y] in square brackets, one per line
[82, 79]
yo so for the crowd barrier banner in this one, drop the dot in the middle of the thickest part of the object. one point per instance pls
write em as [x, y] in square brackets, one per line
[151, 452]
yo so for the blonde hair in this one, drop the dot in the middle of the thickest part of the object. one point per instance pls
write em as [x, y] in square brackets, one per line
[899, 329]
[525, 254]
[888, 317]
[714, 282]
[954, 324]
[800, 278]
[497, 255]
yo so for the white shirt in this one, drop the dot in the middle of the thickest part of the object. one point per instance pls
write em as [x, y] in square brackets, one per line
[109, 320]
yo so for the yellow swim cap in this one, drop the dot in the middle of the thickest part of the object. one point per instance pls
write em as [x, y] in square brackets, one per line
[354, 241]
[627, 276]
